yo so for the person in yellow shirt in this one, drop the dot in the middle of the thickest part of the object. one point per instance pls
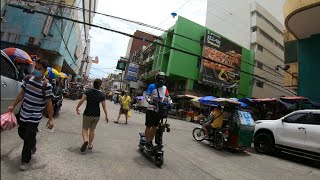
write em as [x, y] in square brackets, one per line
[216, 120]
[125, 101]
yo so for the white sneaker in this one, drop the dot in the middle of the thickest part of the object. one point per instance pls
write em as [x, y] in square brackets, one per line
[24, 166]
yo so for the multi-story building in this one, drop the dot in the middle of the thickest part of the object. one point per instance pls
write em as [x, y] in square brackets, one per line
[302, 46]
[133, 48]
[61, 41]
[189, 74]
[113, 82]
[253, 27]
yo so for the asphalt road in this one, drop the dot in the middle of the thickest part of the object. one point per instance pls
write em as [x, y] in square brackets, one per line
[116, 155]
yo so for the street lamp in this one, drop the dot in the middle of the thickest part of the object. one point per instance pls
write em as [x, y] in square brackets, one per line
[285, 68]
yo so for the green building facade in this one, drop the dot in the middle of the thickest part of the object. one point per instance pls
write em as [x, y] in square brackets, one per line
[183, 70]
[309, 63]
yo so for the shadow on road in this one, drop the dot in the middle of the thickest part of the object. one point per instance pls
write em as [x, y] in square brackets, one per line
[292, 158]
[225, 151]
[298, 160]
[144, 160]
[12, 164]
[76, 150]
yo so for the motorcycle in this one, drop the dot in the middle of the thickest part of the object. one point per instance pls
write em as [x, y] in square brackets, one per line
[218, 137]
[156, 151]
[57, 100]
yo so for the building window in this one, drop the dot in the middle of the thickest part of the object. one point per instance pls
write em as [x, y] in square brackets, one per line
[260, 48]
[267, 36]
[268, 22]
[254, 29]
[259, 84]
[259, 65]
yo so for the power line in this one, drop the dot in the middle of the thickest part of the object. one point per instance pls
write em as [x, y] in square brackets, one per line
[65, 44]
[147, 40]
[131, 21]
[153, 27]
[174, 11]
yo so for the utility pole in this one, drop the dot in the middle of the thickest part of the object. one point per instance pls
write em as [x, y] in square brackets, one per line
[85, 58]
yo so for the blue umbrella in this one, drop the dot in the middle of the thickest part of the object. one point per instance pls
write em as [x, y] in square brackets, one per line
[207, 99]
[242, 104]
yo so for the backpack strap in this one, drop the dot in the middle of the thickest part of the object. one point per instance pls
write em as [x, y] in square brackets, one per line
[44, 86]
[27, 78]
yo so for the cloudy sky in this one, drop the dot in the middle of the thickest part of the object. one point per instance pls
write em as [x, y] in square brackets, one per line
[109, 46]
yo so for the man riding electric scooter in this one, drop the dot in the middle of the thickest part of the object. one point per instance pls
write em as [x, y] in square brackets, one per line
[157, 93]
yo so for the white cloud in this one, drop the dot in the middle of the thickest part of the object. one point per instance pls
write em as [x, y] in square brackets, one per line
[110, 46]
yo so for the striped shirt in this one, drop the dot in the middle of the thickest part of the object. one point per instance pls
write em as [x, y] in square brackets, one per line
[33, 102]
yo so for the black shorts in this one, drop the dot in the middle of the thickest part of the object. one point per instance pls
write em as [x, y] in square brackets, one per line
[123, 111]
[152, 118]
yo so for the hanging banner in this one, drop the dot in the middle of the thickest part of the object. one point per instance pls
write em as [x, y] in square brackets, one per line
[132, 73]
[221, 50]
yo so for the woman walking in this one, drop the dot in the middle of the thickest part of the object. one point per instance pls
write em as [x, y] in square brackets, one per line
[91, 114]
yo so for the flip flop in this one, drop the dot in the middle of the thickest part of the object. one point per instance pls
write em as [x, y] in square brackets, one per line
[115, 122]
[84, 146]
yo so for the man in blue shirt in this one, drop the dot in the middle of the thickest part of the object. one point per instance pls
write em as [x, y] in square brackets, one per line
[157, 92]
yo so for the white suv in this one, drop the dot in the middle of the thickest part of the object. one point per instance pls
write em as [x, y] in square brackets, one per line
[297, 133]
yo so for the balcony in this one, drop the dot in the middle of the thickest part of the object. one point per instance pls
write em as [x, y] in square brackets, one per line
[301, 17]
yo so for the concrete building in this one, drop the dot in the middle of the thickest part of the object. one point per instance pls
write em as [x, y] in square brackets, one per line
[113, 82]
[302, 45]
[248, 23]
[188, 74]
[134, 46]
[60, 41]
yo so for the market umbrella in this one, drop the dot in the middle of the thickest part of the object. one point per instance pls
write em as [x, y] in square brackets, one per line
[224, 101]
[52, 73]
[63, 75]
[206, 99]
[242, 104]
[18, 55]
[196, 102]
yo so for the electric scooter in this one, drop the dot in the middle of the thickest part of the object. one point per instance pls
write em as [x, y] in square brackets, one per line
[156, 152]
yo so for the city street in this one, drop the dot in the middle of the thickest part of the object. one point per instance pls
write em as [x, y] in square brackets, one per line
[115, 154]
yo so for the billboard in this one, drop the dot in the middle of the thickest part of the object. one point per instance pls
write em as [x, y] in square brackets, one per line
[222, 50]
[132, 73]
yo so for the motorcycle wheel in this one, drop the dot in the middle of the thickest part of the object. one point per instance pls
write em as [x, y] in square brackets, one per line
[198, 134]
[158, 160]
[218, 141]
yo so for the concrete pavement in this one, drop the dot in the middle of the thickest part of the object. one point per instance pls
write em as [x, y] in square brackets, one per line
[116, 155]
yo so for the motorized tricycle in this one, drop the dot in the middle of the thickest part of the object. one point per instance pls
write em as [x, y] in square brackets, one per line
[237, 129]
